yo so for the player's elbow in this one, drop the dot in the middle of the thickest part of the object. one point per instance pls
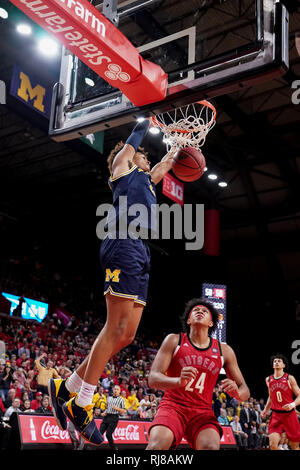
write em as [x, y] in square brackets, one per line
[152, 380]
[244, 393]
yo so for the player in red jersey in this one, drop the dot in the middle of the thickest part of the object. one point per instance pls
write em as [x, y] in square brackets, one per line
[187, 367]
[282, 388]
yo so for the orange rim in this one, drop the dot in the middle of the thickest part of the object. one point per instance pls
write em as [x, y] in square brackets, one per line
[185, 131]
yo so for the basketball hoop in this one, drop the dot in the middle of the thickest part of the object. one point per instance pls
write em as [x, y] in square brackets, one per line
[187, 126]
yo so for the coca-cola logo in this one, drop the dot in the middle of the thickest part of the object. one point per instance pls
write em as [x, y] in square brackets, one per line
[52, 431]
[128, 433]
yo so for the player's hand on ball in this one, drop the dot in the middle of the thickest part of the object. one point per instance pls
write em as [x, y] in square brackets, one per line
[187, 374]
[230, 387]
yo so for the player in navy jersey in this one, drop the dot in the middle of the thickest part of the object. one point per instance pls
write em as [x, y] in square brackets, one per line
[282, 388]
[125, 260]
[187, 367]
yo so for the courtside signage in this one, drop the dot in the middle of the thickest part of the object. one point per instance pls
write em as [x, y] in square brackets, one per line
[100, 45]
[37, 429]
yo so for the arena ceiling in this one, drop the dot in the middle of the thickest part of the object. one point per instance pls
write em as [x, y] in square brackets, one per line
[255, 145]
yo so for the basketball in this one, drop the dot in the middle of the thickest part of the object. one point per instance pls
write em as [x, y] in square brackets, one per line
[188, 164]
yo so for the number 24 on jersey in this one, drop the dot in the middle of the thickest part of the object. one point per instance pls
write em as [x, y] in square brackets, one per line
[199, 385]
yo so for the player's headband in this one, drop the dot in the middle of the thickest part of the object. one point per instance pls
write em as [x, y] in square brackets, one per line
[200, 306]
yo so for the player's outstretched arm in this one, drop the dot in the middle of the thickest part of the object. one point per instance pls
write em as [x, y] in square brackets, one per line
[296, 390]
[126, 154]
[235, 384]
[161, 363]
[163, 167]
[268, 404]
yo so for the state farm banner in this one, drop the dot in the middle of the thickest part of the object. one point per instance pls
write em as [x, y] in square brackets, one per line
[43, 430]
[173, 188]
[88, 34]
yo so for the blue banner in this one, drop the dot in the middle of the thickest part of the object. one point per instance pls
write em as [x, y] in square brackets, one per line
[30, 90]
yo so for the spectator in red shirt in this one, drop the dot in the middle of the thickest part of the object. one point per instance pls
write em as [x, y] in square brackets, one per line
[17, 386]
[124, 387]
[37, 402]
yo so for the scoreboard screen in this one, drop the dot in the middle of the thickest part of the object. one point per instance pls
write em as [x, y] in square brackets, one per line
[31, 309]
[216, 294]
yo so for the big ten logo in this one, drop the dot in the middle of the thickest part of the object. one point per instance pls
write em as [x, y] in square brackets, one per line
[296, 353]
[174, 189]
[28, 93]
[2, 92]
[296, 94]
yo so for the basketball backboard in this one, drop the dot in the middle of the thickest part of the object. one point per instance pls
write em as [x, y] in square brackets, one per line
[224, 49]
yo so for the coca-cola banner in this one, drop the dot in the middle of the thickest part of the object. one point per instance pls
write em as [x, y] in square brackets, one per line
[38, 429]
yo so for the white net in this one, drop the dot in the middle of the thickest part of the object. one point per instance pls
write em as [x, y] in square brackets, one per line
[187, 126]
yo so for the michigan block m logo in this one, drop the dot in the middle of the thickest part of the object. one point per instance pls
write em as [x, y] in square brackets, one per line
[27, 93]
[114, 276]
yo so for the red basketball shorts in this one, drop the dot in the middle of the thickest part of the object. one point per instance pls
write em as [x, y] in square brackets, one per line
[185, 422]
[285, 422]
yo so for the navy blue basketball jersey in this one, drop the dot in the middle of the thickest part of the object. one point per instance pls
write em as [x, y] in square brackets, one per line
[134, 202]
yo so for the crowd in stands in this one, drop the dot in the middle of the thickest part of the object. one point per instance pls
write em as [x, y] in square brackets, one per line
[37, 351]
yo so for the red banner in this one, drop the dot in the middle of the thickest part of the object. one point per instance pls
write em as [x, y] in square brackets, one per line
[173, 188]
[100, 45]
[37, 429]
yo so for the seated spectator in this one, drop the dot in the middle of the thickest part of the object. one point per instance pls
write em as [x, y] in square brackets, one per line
[25, 396]
[100, 398]
[230, 414]
[5, 381]
[124, 387]
[17, 386]
[107, 383]
[223, 420]
[145, 405]
[240, 436]
[151, 413]
[10, 398]
[36, 403]
[97, 412]
[133, 404]
[140, 394]
[45, 406]
[32, 382]
[15, 407]
[64, 372]
[26, 407]
[22, 358]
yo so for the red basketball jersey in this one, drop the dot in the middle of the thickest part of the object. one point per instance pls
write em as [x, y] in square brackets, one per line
[280, 392]
[199, 391]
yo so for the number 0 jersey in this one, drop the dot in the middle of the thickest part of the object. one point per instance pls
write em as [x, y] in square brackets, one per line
[280, 392]
[209, 361]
